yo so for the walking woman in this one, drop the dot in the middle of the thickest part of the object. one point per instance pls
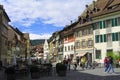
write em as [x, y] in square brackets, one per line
[106, 63]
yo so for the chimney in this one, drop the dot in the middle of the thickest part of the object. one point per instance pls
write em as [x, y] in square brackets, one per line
[87, 11]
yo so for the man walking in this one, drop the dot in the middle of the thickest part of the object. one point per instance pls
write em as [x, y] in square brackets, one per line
[110, 61]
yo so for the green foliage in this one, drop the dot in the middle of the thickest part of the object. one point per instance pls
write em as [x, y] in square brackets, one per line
[110, 54]
[115, 56]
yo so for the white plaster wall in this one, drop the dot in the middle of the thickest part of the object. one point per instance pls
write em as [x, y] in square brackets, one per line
[68, 52]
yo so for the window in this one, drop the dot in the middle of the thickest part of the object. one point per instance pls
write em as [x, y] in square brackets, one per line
[114, 22]
[98, 54]
[68, 48]
[109, 50]
[101, 38]
[97, 38]
[83, 32]
[105, 38]
[90, 31]
[119, 36]
[109, 37]
[77, 34]
[65, 48]
[72, 48]
[90, 43]
[80, 33]
[77, 44]
[97, 25]
[119, 21]
[83, 44]
[108, 23]
[115, 36]
[104, 24]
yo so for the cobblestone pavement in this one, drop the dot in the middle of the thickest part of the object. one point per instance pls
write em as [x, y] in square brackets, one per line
[90, 74]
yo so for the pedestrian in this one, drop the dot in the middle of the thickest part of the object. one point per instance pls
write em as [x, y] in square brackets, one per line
[69, 63]
[82, 64]
[110, 62]
[74, 65]
[77, 60]
[106, 63]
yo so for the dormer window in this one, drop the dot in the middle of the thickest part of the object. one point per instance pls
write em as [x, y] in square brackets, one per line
[96, 9]
[80, 20]
[88, 18]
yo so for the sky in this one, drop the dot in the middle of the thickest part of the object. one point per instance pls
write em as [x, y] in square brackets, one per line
[41, 18]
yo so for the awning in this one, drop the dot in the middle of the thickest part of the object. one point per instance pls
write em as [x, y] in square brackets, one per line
[81, 54]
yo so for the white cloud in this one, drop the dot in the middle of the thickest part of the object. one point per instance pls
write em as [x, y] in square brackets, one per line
[56, 12]
[42, 36]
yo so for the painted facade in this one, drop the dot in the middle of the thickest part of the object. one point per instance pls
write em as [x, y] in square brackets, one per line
[4, 20]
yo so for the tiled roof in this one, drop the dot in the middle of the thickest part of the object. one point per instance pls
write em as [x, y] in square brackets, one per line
[115, 2]
[104, 6]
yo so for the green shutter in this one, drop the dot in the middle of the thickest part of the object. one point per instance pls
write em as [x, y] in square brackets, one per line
[113, 36]
[104, 24]
[105, 38]
[116, 36]
[100, 23]
[113, 23]
[116, 21]
[97, 38]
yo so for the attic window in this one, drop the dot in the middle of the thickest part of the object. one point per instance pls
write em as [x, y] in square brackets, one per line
[96, 9]
[88, 18]
[113, 7]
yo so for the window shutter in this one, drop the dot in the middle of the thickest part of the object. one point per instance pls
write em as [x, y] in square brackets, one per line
[104, 24]
[116, 21]
[113, 36]
[101, 38]
[100, 23]
[105, 37]
[116, 35]
[97, 38]
[112, 22]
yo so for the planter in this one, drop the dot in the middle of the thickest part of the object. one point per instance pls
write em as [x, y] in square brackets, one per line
[10, 73]
[61, 69]
[34, 70]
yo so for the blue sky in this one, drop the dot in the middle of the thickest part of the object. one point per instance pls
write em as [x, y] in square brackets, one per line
[40, 18]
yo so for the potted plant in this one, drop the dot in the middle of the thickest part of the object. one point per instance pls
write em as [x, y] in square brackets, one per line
[34, 70]
[10, 72]
[61, 69]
